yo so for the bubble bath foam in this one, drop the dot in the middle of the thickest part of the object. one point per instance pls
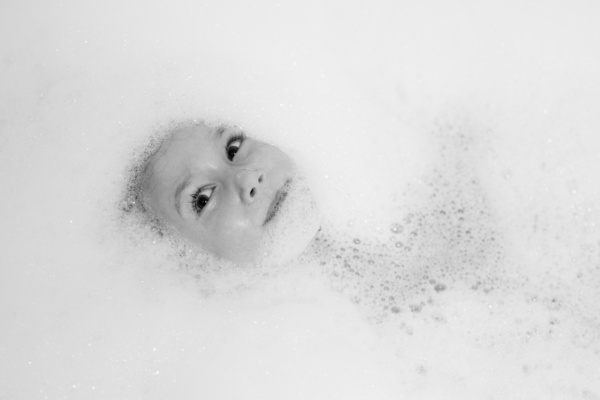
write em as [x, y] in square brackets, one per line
[453, 151]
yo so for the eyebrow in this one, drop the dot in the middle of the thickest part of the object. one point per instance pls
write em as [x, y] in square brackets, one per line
[219, 132]
[178, 191]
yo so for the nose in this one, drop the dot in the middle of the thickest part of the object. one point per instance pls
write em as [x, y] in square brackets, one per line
[249, 182]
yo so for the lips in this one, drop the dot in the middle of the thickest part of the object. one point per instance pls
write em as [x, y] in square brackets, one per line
[278, 200]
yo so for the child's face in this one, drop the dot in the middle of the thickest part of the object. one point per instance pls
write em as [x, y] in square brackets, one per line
[218, 188]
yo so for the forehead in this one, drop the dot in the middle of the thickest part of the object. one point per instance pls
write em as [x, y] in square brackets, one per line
[180, 153]
[188, 141]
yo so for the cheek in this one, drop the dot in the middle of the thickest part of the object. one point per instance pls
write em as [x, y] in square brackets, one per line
[280, 159]
[272, 155]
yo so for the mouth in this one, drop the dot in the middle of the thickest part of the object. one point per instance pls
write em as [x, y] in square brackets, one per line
[278, 200]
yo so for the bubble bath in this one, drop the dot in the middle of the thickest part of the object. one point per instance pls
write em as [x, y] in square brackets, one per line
[453, 151]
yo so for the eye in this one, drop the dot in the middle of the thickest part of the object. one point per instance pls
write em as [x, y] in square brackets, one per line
[200, 198]
[233, 145]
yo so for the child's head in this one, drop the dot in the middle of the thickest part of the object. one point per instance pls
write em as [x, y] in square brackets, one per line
[231, 195]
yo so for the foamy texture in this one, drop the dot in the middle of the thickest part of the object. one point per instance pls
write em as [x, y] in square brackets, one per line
[447, 283]
[453, 151]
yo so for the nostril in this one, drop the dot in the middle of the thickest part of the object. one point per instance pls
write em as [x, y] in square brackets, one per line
[252, 192]
[261, 178]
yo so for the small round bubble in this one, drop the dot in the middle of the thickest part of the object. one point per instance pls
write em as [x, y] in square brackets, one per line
[396, 228]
